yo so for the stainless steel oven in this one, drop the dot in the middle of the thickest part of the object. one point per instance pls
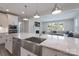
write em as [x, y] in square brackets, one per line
[12, 29]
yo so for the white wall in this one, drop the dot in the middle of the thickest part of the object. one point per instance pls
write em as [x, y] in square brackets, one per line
[32, 28]
[68, 25]
[76, 24]
[45, 26]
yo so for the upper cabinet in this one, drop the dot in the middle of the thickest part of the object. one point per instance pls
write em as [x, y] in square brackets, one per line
[12, 20]
[3, 20]
[6, 20]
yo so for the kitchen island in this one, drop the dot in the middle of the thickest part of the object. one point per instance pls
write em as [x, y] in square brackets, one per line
[53, 45]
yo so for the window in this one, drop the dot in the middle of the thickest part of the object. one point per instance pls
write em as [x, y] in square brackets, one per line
[56, 26]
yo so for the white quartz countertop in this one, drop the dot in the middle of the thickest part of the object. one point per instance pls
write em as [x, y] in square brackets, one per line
[24, 35]
[61, 43]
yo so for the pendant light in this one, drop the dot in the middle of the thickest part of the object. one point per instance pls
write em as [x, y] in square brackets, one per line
[36, 15]
[25, 18]
[56, 10]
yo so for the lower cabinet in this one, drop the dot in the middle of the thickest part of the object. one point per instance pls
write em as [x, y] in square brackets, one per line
[16, 47]
[25, 52]
[52, 52]
[2, 38]
[13, 45]
[9, 44]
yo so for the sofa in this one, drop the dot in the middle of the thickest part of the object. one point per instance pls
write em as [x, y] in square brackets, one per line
[61, 33]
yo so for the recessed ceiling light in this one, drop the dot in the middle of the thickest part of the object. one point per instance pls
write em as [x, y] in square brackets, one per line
[23, 12]
[7, 9]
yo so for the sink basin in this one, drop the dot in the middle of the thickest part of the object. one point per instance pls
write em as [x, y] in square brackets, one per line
[35, 39]
[32, 44]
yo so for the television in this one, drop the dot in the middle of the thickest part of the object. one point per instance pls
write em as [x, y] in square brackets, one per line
[37, 24]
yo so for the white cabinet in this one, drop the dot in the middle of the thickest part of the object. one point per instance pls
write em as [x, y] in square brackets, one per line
[25, 52]
[52, 52]
[3, 20]
[12, 20]
[8, 19]
[8, 44]
[13, 45]
[2, 38]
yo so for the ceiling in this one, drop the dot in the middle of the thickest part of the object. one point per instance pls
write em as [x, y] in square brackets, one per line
[42, 8]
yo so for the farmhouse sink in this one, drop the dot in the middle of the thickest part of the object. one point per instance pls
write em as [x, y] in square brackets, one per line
[35, 39]
[32, 44]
